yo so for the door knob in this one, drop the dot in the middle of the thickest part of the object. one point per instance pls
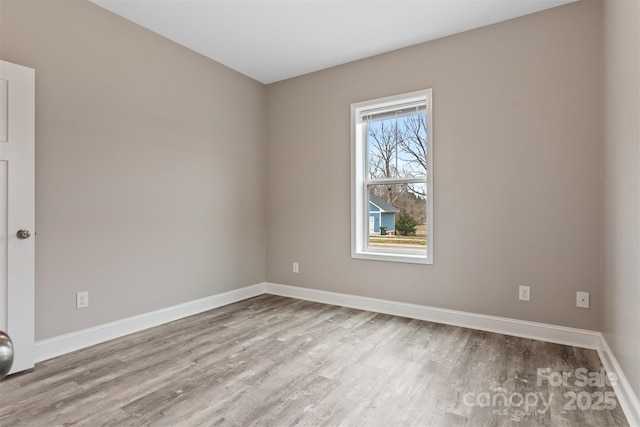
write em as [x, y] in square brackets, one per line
[23, 234]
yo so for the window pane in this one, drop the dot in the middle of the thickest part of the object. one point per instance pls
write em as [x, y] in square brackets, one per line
[397, 216]
[397, 146]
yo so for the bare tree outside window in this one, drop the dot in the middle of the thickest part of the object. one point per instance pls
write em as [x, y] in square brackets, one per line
[398, 148]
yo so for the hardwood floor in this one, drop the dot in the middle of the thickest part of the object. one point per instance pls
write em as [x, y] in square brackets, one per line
[274, 361]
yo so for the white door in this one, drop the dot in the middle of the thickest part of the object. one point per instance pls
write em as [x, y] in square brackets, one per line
[17, 194]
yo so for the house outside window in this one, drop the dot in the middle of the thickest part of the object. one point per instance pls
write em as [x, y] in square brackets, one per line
[382, 216]
[392, 178]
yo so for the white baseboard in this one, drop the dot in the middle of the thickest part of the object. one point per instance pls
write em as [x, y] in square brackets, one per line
[57, 346]
[626, 397]
[502, 325]
[67, 343]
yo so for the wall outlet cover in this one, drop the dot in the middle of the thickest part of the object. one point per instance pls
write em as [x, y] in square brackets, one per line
[82, 299]
[582, 299]
[524, 293]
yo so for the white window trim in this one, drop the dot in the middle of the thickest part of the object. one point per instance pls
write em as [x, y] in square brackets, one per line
[359, 201]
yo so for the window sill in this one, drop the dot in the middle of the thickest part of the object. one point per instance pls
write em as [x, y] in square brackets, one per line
[392, 257]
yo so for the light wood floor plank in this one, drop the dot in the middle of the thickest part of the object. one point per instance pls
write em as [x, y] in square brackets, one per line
[276, 361]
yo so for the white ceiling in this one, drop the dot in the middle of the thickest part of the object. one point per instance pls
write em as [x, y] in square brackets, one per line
[275, 40]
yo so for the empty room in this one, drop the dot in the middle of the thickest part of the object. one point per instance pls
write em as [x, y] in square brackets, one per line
[317, 212]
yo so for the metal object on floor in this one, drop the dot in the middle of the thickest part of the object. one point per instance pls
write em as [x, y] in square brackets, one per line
[6, 354]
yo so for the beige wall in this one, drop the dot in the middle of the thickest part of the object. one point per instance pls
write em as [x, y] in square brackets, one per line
[517, 170]
[150, 166]
[621, 243]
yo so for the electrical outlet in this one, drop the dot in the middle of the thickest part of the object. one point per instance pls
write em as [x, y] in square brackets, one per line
[524, 293]
[296, 267]
[82, 299]
[582, 299]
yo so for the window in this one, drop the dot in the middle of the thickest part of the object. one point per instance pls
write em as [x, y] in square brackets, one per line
[392, 178]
